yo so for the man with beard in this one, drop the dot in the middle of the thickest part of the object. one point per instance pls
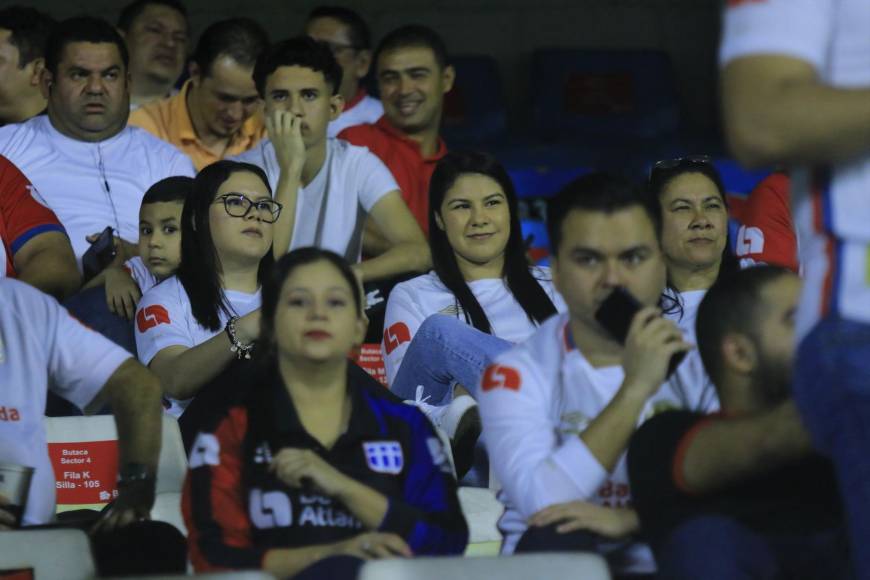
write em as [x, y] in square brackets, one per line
[740, 494]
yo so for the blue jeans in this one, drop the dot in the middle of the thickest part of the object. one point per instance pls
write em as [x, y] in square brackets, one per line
[832, 391]
[445, 352]
[719, 548]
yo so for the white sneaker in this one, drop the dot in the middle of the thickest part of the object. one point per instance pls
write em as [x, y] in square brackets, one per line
[435, 413]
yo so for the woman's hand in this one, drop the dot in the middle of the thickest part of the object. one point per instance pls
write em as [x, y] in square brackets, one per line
[373, 546]
[612, 523]
[302, 468]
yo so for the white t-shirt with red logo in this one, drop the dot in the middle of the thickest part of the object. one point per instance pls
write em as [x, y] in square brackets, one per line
[536, 400]
[42, 346]
[830, 204]
[164, 318]
[412, 302]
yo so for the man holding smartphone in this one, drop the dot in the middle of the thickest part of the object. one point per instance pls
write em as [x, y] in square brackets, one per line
[558, 410]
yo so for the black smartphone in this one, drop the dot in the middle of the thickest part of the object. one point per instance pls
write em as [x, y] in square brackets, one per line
[99, 255]
[615, 315]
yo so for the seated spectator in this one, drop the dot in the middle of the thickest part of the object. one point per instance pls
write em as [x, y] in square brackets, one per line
[44, 347]
[316, 469]
[558, 409]
[445, 327]
[326, 186]
[33, 245]
[413, 75]
[349, 39]
[741, 494]
[90, 169]
[156, 32]
[23, 33]
[217, 113]
[767, 234]
[193, 324]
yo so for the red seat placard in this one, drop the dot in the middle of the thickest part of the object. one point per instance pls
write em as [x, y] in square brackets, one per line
[85, 471]
[370, 359]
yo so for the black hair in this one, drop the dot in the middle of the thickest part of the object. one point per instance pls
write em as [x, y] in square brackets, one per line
[199, 271]
[133, 10]
[302, 51]
[357, 29]
[82, 29]
[413, 35]
[278, 275]
[29, 30]
[242, 39]
[175, 188]
[522, 284]
[659, 179]
[732, 304]
[599, 192]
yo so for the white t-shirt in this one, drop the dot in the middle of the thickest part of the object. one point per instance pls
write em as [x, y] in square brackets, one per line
[141, 274]
[41, 347]
[536, 400]
[82, 182]
[366, 110]
[831, 205]
[164, 318]
[412, 302]
[356, 181]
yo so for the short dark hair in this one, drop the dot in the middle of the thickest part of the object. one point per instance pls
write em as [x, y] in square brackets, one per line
[732, 304]
[358, 30]
[242, 39]
[302, 51]
[414, 35]
[82, 29]
[599, 192]
[175, 188]
[133, 10]
[29, 29]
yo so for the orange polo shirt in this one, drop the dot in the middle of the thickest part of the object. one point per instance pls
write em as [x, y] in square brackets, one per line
[169, 119]
[402, 156]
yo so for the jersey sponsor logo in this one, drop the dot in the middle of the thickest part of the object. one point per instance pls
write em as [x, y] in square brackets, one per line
[263, 453]
[750, 240]
[206, 451]
[271, 509]
[151, 316]
[384, 456]
[395, 336]
[319, 512]
[9, 414]
[501, 377]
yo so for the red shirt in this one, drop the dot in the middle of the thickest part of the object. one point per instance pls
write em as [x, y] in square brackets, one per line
[21, 216]
[767, 235]
[401, 155]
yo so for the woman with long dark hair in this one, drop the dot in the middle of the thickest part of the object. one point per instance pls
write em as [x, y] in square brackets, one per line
[443, 328]
[192, 325]
[316, 467]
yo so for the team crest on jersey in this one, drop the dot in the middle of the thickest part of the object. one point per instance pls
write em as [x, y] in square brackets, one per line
[384, 456]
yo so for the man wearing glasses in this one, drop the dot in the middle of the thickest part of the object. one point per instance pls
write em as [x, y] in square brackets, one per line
[347, 35]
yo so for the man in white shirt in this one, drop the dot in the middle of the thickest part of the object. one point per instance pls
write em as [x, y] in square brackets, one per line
[796, 91]
[23, 31]
[91, 170]
[349, 39]
[327, 186]
[558, 409]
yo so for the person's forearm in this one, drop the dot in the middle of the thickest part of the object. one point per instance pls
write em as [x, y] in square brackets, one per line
[791, 120]
[607, 435]
[287, 194]
[730, 450]
[287, 562]
[56, 276]
[399, 259]
[189, 371]
[368, 505]
[374, 242]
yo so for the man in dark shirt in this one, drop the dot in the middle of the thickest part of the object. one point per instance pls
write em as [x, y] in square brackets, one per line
[740, 494]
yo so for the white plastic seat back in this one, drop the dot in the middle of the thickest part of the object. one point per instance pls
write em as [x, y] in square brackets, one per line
[56, 553]
[545, 566]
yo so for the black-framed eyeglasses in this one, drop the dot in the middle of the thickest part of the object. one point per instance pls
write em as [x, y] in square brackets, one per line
[687, 161]
[239, 205]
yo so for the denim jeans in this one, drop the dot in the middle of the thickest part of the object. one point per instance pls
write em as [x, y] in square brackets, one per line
[716, 547]
[445, 352]
[832, 391]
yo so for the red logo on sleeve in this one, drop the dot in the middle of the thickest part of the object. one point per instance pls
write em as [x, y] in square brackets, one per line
[151, 316]
[501, 377]
[396, 335]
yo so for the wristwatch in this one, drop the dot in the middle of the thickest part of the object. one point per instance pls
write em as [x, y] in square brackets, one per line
[132, 473]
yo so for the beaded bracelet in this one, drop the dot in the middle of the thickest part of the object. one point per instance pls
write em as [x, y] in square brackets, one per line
[241, 349]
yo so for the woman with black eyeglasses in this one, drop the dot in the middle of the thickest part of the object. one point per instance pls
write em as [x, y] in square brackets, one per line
[194, 324]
